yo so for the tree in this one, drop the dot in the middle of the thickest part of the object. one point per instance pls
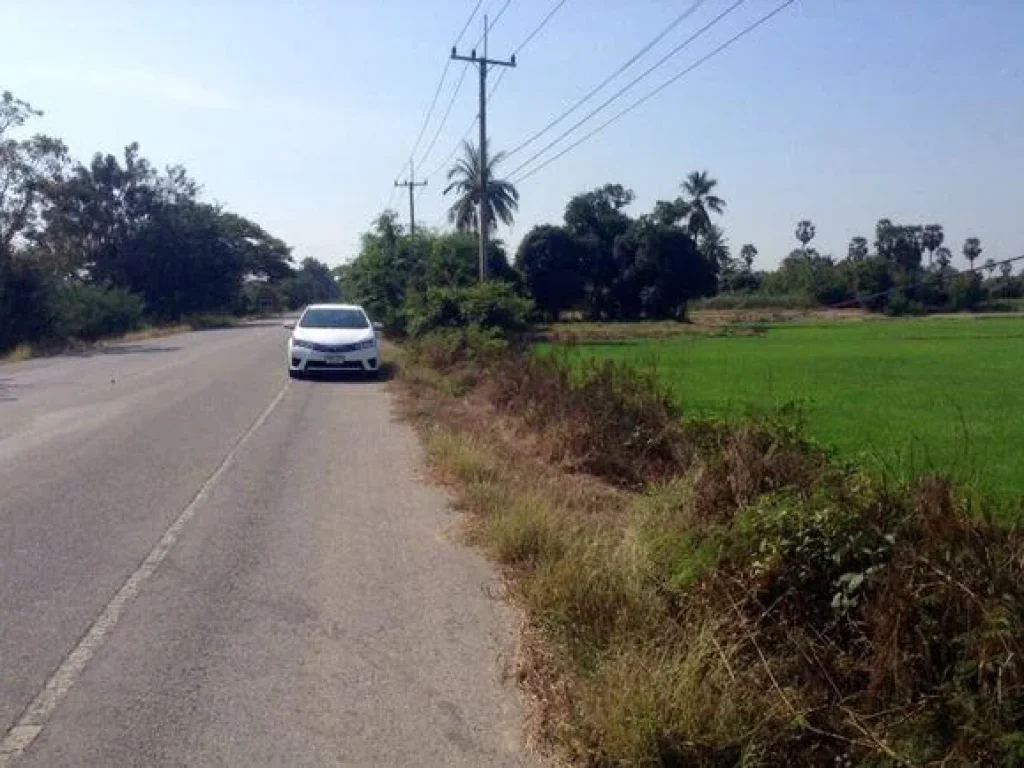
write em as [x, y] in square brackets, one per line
[931, 238]
[873, 282]
[596, 219]
[502, 198]
[747, 254]
[1006, 269]
[663, 270]
[884, 234]
[857, 250]
[386, 271]
[714, 246]
[900, 245]
[701, 203]
[943, 257]
[452, 261]
[27, 168]
[549, 258]
[265, 256]
[804, 233]
[972, 250]
[598, 213]
[807, 273]
[990, 267]
[313, 284]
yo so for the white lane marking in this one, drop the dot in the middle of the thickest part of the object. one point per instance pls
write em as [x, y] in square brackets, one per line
[38, 713]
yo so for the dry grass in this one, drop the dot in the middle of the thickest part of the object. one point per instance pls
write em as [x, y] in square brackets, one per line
[757, 605]
[19, 354]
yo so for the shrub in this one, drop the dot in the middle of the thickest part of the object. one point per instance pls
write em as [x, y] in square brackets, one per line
[25, 312]
[604, 417]
[900, 305]
[493, 306]
[966, 292]
[91, 312]
[443, 350]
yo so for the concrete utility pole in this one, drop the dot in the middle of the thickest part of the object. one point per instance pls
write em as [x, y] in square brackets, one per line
[411, 184]
[483, 63]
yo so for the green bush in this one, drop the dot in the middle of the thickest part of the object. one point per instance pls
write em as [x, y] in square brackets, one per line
[493, 306]
[25, 312]
[91, 312]
[900, 305]
[966, 292]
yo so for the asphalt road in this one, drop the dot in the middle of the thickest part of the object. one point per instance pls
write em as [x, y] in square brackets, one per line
[202, 563]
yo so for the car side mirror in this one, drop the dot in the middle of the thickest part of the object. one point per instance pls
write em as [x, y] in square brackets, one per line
[378, 326]
[289, 324]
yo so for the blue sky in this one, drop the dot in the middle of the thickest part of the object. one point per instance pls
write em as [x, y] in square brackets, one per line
[300, 114]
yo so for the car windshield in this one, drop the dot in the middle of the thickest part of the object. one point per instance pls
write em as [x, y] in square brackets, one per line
[334, 318]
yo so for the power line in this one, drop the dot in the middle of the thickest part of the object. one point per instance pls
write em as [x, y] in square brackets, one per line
[540, 26]
[651, 94]
[458, 87]
[496, 19]
[447, 112]
[501, 76]
[469, 21]
[632, 60]
[444, 163]
[529, 38]
[440, 83]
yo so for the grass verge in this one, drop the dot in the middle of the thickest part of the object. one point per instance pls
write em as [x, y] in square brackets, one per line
[708, 594]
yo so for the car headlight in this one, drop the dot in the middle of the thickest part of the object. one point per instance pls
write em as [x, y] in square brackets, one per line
[303, 344]
[370, 344]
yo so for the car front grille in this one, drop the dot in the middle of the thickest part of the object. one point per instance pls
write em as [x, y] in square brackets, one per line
[336, 349]
[352, 365]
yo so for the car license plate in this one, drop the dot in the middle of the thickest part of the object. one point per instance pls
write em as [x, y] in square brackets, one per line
[335, 359]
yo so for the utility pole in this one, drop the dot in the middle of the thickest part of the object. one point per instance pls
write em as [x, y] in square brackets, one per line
[411, 184]
[482, 64]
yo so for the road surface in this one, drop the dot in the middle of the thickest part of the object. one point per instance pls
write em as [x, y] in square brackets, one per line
[202, 563]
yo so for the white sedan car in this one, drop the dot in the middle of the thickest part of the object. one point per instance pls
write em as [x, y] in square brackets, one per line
[333, 337]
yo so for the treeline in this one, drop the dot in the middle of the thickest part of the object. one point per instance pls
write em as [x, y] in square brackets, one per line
[92, 250]
[600, 262]
[907, 269]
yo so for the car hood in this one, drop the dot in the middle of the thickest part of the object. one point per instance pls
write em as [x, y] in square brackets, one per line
[333, 335]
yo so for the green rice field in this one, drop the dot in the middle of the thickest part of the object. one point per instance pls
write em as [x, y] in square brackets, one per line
[901, 396]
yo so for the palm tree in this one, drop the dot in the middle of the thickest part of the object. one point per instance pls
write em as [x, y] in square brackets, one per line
[702, 203]
[931, 238]
[972, 250]
[502, 199]
[804, 233]
[715, 247]
[748, 253]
